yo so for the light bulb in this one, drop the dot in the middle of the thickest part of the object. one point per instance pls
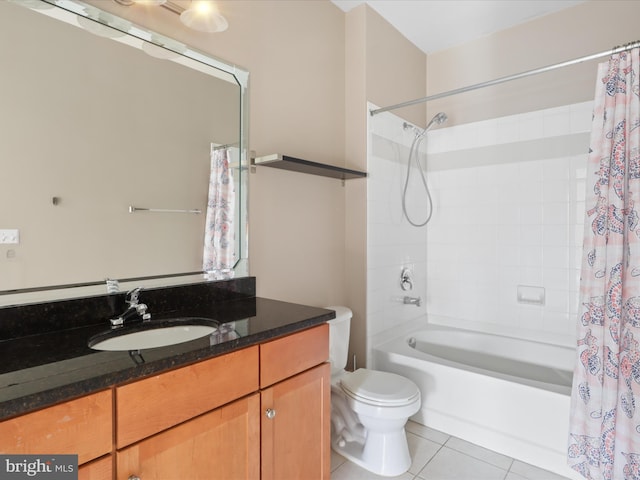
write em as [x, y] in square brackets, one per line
[202, 7]
[202, 16]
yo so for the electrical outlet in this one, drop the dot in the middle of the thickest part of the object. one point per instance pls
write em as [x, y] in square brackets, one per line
[9, 236]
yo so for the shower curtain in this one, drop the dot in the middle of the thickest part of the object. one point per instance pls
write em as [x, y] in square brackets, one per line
[219, 255]
[604, 439]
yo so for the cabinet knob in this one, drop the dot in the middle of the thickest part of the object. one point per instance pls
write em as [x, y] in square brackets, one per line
[270, 413]
[133, 477]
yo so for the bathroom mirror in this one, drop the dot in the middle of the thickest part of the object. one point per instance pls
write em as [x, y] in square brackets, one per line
[95, 120]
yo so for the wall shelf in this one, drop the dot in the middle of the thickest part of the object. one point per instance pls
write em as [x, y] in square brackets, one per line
[305, 166]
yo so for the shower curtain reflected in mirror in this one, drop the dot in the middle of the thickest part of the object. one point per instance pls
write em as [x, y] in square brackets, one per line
[604, 440]
[219, 255]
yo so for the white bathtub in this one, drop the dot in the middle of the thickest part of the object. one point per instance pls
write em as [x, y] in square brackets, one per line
[502, 393]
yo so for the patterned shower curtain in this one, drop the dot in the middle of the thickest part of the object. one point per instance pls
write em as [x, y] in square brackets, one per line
[604, 440]
[219, 254]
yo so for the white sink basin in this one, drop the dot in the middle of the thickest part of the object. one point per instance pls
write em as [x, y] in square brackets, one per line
[153, 334]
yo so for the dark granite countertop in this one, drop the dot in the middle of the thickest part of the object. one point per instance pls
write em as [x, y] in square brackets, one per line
[43, 369]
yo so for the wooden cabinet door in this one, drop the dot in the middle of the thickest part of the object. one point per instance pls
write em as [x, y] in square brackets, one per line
[101, 469]
[222, 444]
[295, 427]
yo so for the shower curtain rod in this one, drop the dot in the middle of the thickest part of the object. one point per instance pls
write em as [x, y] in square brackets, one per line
[508, 78]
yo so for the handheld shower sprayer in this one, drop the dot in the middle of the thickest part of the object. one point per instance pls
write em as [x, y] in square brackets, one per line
[437, 119]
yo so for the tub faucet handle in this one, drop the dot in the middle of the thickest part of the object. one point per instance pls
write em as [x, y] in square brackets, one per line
[406, 279]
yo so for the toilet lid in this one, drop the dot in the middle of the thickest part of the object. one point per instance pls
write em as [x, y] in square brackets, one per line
[380, 387]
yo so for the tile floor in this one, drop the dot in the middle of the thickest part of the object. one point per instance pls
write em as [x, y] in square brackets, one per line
[438, 456]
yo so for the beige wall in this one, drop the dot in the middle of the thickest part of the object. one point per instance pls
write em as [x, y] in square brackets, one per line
[312, 70]
[591, 27]
[383, 67]
[294, 52]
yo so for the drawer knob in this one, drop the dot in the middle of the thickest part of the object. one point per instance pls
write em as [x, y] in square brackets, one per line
[133, 477]
[270, 413]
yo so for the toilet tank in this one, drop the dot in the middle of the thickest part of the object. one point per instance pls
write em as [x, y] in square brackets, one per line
[339, 338]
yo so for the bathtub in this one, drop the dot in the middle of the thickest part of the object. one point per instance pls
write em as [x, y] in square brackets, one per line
[506, 394]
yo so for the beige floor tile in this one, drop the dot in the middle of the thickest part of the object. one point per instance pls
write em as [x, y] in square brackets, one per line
[450, 464]
[421, 451]
[481, 453]
[531, 472]
[351, 471]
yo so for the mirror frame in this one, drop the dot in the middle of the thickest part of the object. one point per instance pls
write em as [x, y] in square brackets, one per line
[67, 11]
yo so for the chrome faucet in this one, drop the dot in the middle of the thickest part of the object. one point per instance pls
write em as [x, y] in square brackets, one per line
[417, 301]
[134, 310]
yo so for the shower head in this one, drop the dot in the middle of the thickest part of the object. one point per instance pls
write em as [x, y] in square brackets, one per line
[438, 119]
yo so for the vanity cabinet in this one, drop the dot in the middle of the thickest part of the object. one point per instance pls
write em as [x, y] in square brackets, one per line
[154, 404]
[80, 427]
[221, 444]
[295, 427]
[206, 417]
[295, 420]
[258, 412]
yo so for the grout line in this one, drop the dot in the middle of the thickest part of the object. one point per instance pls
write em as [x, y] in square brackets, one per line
[481, 459]
[429, 461]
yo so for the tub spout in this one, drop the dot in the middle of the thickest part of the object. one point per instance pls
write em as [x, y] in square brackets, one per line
[417, 301]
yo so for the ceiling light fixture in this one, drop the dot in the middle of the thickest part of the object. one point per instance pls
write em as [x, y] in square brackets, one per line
[201, 15]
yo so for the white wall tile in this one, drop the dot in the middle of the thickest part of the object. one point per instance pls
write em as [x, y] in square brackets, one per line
[494, 227]
[557, 121]
[508, 130]
[581, 114]
[556, 213]
[531, 126]
[556, 191]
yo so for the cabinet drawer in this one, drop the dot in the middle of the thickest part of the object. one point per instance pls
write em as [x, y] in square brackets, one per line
[295, 353]
[156, 403]
[82, 426]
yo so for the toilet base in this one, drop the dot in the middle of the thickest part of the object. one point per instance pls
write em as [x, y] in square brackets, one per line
[385, 454]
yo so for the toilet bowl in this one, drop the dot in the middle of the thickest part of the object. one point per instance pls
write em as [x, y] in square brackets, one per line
[369, 409]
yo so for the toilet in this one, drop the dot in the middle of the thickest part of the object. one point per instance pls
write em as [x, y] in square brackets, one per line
[369, 409]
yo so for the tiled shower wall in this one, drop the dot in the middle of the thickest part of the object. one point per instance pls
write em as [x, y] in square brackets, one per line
[392, 244]
[509, 206]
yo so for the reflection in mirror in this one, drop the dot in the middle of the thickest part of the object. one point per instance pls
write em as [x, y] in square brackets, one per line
[95, 121]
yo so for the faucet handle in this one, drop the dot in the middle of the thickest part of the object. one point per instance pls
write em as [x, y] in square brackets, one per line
[133, 296]
[141, 308]
[406, 279]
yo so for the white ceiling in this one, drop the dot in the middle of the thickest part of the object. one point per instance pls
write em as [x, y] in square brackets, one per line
[434, 25]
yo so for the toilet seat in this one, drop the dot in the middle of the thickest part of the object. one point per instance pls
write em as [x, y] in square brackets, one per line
[380, 388]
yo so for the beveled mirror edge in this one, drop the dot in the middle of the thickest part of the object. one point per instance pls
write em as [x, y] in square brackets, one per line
[20, 296]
